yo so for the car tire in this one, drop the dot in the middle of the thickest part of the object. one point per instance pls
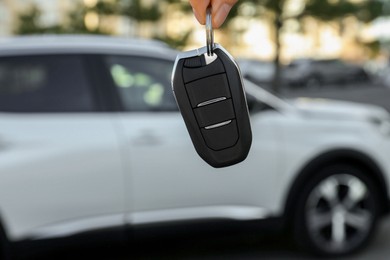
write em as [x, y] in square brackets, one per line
[337, 211]
[5, 245]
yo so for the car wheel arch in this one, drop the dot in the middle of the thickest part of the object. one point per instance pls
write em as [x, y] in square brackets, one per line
[346, 156]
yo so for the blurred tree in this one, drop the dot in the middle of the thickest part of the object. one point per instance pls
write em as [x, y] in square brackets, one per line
[145, 12]
[28, 21]
[140, 12]
[175, 42]
[374, 47]
[137, 11]
[278, 12]
[76, 21]
[365, 11]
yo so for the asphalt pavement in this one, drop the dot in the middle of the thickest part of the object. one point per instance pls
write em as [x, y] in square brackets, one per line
[253, 246]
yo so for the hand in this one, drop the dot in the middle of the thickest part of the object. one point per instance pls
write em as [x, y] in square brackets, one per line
[220, 10]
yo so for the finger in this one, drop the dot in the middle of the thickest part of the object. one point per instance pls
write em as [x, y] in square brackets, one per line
[199, 8]
[221, 9]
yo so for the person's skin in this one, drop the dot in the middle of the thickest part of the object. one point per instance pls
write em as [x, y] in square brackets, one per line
[220, 10]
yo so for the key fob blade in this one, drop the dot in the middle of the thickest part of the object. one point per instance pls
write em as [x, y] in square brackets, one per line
[210, 95]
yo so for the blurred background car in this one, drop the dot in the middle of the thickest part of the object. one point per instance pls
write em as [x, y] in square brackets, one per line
[91, 140]
[258, 71]
[384, 75]
[314, 74]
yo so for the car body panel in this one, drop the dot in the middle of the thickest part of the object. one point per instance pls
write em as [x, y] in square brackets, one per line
[168, 174]
[57, 168]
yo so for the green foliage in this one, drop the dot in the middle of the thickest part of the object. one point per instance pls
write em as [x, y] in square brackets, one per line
[177, 43]
[136, 10]
[323, 10]
[373, 47]
[370, 10]
[76, 23]
[28, 22]
[327, 11]
[106, 8]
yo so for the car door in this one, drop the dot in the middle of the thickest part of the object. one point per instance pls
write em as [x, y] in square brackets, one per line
[167, 180]
[59, 157]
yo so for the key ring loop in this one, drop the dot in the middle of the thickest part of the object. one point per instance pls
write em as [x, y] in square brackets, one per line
[209, 33]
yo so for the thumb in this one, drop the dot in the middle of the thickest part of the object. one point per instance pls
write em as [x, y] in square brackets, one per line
[221, 9]
[199, 8]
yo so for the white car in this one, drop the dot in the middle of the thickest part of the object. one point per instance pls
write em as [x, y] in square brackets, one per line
[91, 139]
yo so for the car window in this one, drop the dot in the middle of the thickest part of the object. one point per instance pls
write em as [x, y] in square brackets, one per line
[44, 84]
[144, 84]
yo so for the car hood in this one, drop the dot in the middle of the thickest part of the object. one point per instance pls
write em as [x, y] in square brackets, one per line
[342, 110]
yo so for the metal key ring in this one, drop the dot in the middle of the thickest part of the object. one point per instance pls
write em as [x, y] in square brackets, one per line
[209, 33]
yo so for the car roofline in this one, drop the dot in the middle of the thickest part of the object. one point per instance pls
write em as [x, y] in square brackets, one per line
[83, 44]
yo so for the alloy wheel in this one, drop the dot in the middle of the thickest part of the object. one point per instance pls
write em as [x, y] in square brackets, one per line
[339, 213]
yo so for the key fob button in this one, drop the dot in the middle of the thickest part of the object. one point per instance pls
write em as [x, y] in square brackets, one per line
[194, 62]
[214, 113]
[222, 137]
[191, 74]
[207, 89]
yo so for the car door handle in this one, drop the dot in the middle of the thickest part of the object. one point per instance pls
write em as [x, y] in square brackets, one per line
[147, 138]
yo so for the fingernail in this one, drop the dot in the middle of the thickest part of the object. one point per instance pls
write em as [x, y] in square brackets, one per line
[221, 14]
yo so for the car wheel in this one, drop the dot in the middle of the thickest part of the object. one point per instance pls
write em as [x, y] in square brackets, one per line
[337, 211]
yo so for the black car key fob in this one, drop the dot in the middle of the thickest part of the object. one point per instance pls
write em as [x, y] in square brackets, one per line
[211, 99]
[208, 89]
